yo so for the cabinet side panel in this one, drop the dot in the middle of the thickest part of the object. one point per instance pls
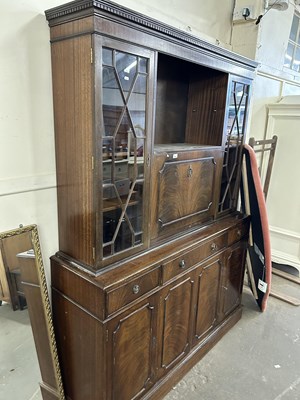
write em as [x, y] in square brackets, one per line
[80, 348]
[79, 290]
[72, 81]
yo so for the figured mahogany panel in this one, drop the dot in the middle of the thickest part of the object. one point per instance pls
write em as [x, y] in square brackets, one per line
[207, 298]
[232, 279]
[178, 197]
[176, 308]
[185, 178]
[131, 357]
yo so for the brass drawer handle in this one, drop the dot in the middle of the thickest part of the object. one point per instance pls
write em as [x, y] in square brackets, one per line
[136, 289]
[213, 247]
[182, 264]
[239, 233]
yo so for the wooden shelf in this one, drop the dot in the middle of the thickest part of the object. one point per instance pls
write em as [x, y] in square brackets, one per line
[116, 160]
[113, 204]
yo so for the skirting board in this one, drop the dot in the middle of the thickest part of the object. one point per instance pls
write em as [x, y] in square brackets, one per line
[290, 242]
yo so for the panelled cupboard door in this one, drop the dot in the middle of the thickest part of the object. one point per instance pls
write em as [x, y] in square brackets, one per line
[208, 290]
[232, 278]
[175, 318]
[131, 351]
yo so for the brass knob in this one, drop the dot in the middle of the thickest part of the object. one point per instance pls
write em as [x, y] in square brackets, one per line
[182, 264]
[213, 247]
[135, 289]
[239, 233]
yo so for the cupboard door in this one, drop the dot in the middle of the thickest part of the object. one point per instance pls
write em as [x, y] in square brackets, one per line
[232, 279]
[178, 182]
[123, 105]
[183, 187]
[207, 298]
[130, 353]
[175, 320]
[234, 137]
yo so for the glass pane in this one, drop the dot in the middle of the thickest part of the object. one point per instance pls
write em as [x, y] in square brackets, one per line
[137, 106]
[143, 64]
[107, 146]
[289, 55]
[294, 28]
[121, 170]
[140, 86]
[107, 250]
[236, 114]
[124, 115]
[135, 212]
[109, 225]
[107, 56]
[135, 147]
[109, 78]
[126, 66]
[241, 111]
[123, 129]
[113, 103]
[235, 133]
[296, 62]
[106, 168]
[232, 126]
[124, 238]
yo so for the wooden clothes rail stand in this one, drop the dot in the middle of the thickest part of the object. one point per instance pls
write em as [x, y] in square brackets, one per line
[263, 147]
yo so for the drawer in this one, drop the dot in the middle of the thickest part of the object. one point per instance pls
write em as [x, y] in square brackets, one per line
[193, 257]
[125, 294]
[237, 233]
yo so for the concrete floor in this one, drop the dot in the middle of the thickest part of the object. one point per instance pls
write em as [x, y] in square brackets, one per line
[19, 370]
[258, 359]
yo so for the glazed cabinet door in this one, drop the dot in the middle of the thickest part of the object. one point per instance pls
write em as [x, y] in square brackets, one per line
[123, 103]
[239, 90]
[175, 318]
[232, 278]
[208, 290]
[131, 352]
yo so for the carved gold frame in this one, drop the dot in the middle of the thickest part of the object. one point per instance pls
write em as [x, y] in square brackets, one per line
[32, 230]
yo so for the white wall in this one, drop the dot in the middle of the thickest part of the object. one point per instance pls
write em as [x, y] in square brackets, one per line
[211, 20]
[27, 162]
[273, 80]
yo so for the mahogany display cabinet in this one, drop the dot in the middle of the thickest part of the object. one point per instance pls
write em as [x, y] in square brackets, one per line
[149, 123]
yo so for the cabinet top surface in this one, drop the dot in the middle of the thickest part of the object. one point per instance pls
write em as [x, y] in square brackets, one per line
[82, 8]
